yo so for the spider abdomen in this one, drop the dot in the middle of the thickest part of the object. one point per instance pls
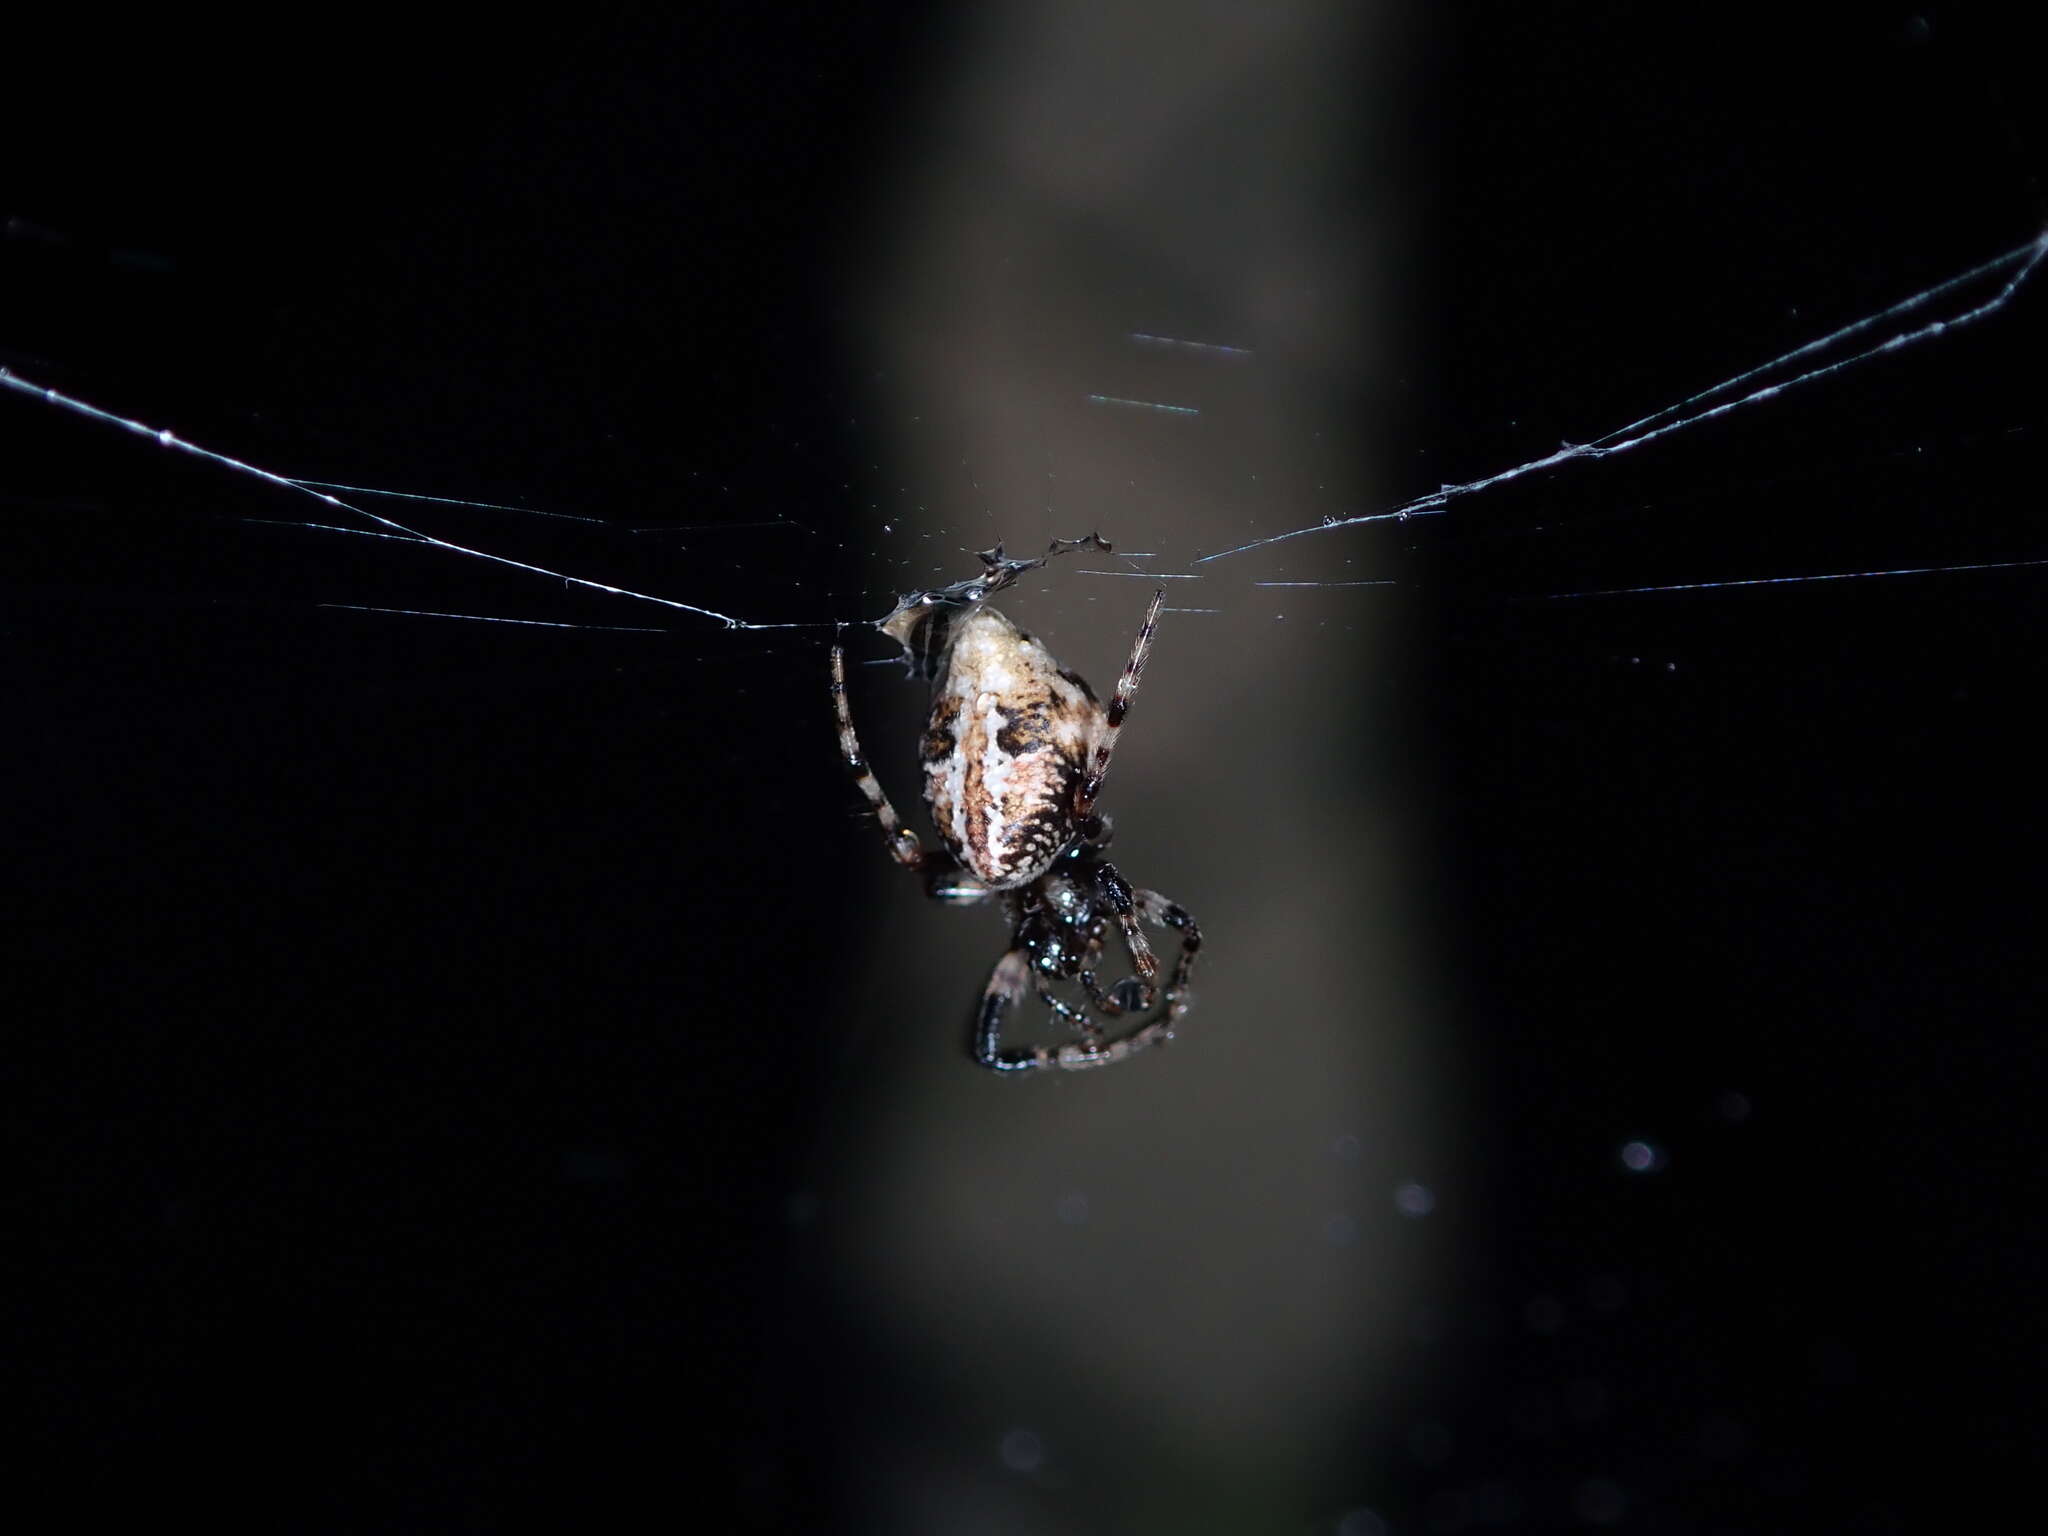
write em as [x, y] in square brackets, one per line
[1005, 751]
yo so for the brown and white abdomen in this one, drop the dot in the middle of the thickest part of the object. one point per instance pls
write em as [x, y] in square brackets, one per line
[1008, 742]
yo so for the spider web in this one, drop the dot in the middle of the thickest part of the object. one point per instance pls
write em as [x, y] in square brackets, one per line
[1985, 290]
[583, 343]
[805, 526]
[746, 482]
[1686, 359]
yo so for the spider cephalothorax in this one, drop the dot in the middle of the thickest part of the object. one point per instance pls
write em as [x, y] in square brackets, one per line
[1014, 754]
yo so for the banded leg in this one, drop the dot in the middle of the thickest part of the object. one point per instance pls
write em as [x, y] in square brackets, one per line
[1007, 984]
[905, 847]
[1013, 977]
[1160, 912]
[1089, 1031]
[1119, 706]
[1119, 999]
[1116, 891]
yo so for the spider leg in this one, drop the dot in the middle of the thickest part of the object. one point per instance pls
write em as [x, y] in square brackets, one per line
[1006, 984]
[1085, 1027]
[1161, 913]
[1116, 891]
[1110, 1003]
[1013, 975]
[1119, 706]
[905, 847]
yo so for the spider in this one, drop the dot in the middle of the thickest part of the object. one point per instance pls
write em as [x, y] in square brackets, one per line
[1014, 757]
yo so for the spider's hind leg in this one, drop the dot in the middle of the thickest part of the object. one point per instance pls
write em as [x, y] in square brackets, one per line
[905, 847]
[1119, 706]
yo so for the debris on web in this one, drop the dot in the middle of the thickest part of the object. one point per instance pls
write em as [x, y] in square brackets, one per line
[920, 620]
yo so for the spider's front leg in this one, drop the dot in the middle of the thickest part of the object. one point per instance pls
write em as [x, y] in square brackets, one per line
[1010, 980]
[1015, 975]
[1161, 913]
[1117, 895]
[1133, 995]
[1013, 978]
[1007, 984]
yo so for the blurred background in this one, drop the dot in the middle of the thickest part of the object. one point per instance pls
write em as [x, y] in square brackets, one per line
[476, 1075]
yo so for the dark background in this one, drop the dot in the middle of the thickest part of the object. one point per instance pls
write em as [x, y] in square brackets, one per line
[418, 1025]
